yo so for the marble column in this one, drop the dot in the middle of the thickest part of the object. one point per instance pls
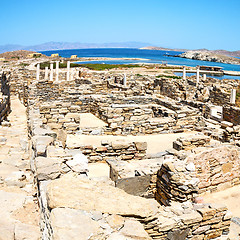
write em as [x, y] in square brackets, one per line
[57, 70]
[198, 75]
[68, 70]
[233, 96]
[184, 73]
[46, 73]
[38, 71]
[204, 77]
[51, 71]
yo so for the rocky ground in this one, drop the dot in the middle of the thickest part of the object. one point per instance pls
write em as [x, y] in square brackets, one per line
[19, 208]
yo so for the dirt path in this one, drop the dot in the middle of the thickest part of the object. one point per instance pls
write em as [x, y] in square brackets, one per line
[19, 211]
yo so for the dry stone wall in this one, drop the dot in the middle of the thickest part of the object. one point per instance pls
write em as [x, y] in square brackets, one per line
[118, 150]
[176, 181]
[191, 142]
[231, 114]
[216, 168]
[219, 97]
[4, 97]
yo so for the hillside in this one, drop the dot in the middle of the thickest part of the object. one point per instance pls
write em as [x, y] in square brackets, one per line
[68, 45]
[210, 56]
[217, 52]
[15, 54]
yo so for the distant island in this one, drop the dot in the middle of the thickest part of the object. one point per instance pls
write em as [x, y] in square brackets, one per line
[218, 52]
[68, 45]
[164, 49]
[222, 56]
[211, 56]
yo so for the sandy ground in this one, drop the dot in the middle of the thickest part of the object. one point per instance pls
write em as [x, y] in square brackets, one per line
[98, 170]
[88, 120]
[230, 197]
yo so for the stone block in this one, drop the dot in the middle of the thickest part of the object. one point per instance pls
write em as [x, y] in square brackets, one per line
[117, 145]
[135, 186]
[141, 146]
[207, 213]
[191, 218]
[79, 163]
[71, 191]
[47, 168]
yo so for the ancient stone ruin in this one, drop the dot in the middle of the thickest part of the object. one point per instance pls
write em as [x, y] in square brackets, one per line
[115, 154]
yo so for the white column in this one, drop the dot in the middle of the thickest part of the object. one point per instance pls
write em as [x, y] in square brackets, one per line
[68, 70]
[57, 70]
[233, 96]
[38, 71]
[198, 75]
[125, 80]
[184, 73]
[204, 77]
[46, 73]
[51, 71]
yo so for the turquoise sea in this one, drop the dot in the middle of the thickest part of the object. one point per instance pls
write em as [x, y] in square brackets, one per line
[149, 56]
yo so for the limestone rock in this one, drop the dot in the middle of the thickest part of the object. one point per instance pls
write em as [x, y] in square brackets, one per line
[79, 163]
[72, 224]
[6, 230]
[47, 168]
[26, 232]
[120, 145]
[73, 192]
[135, 230]
[16, 179]
[40, 143]
[141, 146]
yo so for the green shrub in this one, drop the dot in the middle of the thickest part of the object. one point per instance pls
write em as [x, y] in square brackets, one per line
[100, 67]
[166, 76]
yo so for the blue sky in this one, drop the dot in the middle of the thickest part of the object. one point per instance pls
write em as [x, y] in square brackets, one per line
[212, 24]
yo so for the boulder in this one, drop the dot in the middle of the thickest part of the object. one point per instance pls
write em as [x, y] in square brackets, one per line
[47, 168]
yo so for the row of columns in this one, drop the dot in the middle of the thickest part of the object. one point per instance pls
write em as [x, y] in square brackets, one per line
[51, 71]
[233, 91]
[197, 75]
[232, 97]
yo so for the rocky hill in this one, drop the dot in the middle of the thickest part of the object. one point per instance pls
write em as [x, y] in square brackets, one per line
[20, 54]
[209, 56]
[69, 45]
[218, 52]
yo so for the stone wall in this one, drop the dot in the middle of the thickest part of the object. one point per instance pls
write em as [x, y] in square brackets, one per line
[172, 88]
[219, 97]
[189, 221]
[176, 181]
[231, 114]
[135, 115]
[119, 150]
[4, 97]
[191, 142]
[216, 168]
